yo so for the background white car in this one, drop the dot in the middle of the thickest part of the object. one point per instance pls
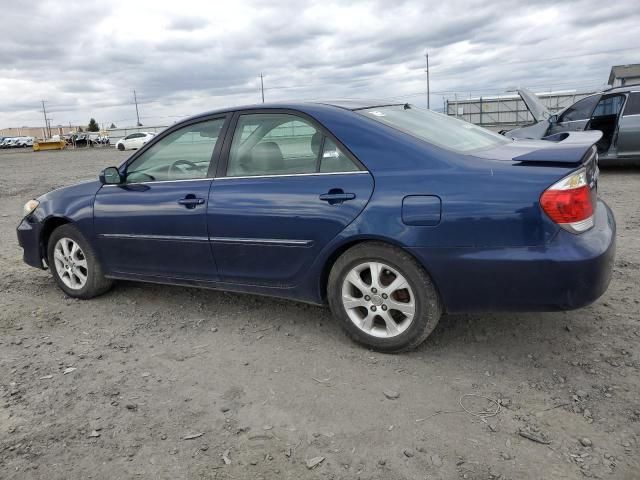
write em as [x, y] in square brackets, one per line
[134, 140]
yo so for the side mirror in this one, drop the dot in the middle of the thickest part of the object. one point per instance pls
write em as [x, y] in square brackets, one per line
[110, 176]
[553, 119]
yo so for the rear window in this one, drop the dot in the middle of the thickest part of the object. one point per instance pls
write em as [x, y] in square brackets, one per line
[435, 128]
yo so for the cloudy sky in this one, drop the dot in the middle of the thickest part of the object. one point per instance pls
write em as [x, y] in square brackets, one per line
[183, 57]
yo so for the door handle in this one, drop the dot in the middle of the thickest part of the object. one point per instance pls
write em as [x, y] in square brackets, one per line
[191, 201]
[336, 195]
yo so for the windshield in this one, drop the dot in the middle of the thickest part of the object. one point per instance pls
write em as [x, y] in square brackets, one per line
[435, 128]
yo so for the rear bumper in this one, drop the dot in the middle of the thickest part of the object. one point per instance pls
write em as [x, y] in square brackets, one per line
[29, 234]
[570, 272]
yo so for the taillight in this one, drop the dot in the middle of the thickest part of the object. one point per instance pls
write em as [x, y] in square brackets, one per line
[569, 202]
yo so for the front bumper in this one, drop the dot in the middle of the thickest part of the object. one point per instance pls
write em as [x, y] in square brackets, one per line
[569, 272]
[29, 237]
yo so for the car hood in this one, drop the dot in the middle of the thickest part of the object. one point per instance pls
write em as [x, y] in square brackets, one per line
[533, 103]
[82, 189]
[563, 148]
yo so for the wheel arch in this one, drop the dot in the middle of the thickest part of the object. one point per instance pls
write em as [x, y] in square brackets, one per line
[352, 242]
[48, 226]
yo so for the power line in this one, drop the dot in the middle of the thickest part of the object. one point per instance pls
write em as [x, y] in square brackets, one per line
[449, 65]
[495, 61]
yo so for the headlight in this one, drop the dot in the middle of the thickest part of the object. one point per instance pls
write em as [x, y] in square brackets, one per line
[30, 206]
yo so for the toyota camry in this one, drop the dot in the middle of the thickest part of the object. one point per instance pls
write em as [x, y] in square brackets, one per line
[390, 214]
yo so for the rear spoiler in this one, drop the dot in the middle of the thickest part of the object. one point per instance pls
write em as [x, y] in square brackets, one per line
[567, 148]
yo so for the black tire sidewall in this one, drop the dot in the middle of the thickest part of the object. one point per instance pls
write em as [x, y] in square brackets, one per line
[428, 308]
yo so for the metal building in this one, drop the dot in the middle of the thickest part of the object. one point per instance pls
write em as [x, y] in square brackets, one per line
[498, 112]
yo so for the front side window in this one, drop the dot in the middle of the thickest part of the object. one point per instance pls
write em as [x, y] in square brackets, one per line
[435, 128]
[181, 155]
[581, 110]
[282, 144]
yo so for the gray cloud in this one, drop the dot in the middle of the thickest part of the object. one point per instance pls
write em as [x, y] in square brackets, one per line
[187, 24]
[86, 59]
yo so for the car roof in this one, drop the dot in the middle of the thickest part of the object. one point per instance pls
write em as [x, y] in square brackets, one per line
[345, 104]
[624, 89]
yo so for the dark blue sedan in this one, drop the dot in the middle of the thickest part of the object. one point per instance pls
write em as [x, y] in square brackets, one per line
[389, 213]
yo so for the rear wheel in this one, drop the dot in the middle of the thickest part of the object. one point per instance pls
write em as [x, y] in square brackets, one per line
[383, 298]
[74, 265]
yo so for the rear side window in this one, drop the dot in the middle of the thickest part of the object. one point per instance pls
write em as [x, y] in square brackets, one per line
[334, 160]
[282, 144]
[633, 104]
[581, 110]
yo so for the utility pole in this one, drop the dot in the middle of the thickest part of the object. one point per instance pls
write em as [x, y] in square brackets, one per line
[46, 123]
[262, 86]
[135, 99]
[426, 56]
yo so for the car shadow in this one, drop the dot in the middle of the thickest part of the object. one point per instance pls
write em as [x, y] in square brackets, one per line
[501, 335]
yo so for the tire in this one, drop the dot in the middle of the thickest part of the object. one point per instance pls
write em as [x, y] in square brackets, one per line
[95, 283]
[421, 297]
[121, 147]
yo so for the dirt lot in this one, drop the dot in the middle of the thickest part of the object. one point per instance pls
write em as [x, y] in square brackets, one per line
[267, 386]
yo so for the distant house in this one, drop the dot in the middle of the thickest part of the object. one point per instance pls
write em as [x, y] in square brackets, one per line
[624, 75]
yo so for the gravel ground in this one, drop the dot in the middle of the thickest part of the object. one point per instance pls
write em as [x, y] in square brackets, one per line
[165, 382]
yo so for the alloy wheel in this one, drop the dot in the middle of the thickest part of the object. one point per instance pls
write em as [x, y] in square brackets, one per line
[378, 299]
[71, 264]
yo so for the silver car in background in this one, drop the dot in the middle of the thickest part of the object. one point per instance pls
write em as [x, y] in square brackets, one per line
[615, 112]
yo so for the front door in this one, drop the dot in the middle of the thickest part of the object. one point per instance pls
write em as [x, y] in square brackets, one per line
[287, 190]
[576, 117]
[605, 118]
[154, 224]
[628, 144]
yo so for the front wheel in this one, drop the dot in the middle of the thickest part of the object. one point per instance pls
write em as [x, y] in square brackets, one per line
[74, 265]
[383, 298]
[121, 147]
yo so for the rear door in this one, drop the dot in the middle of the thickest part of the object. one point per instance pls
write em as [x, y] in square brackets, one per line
[128, 140]
[136, 140]
[629, 128]
[155, 223]
[576, 117]
[142, 140]
[284, 189]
